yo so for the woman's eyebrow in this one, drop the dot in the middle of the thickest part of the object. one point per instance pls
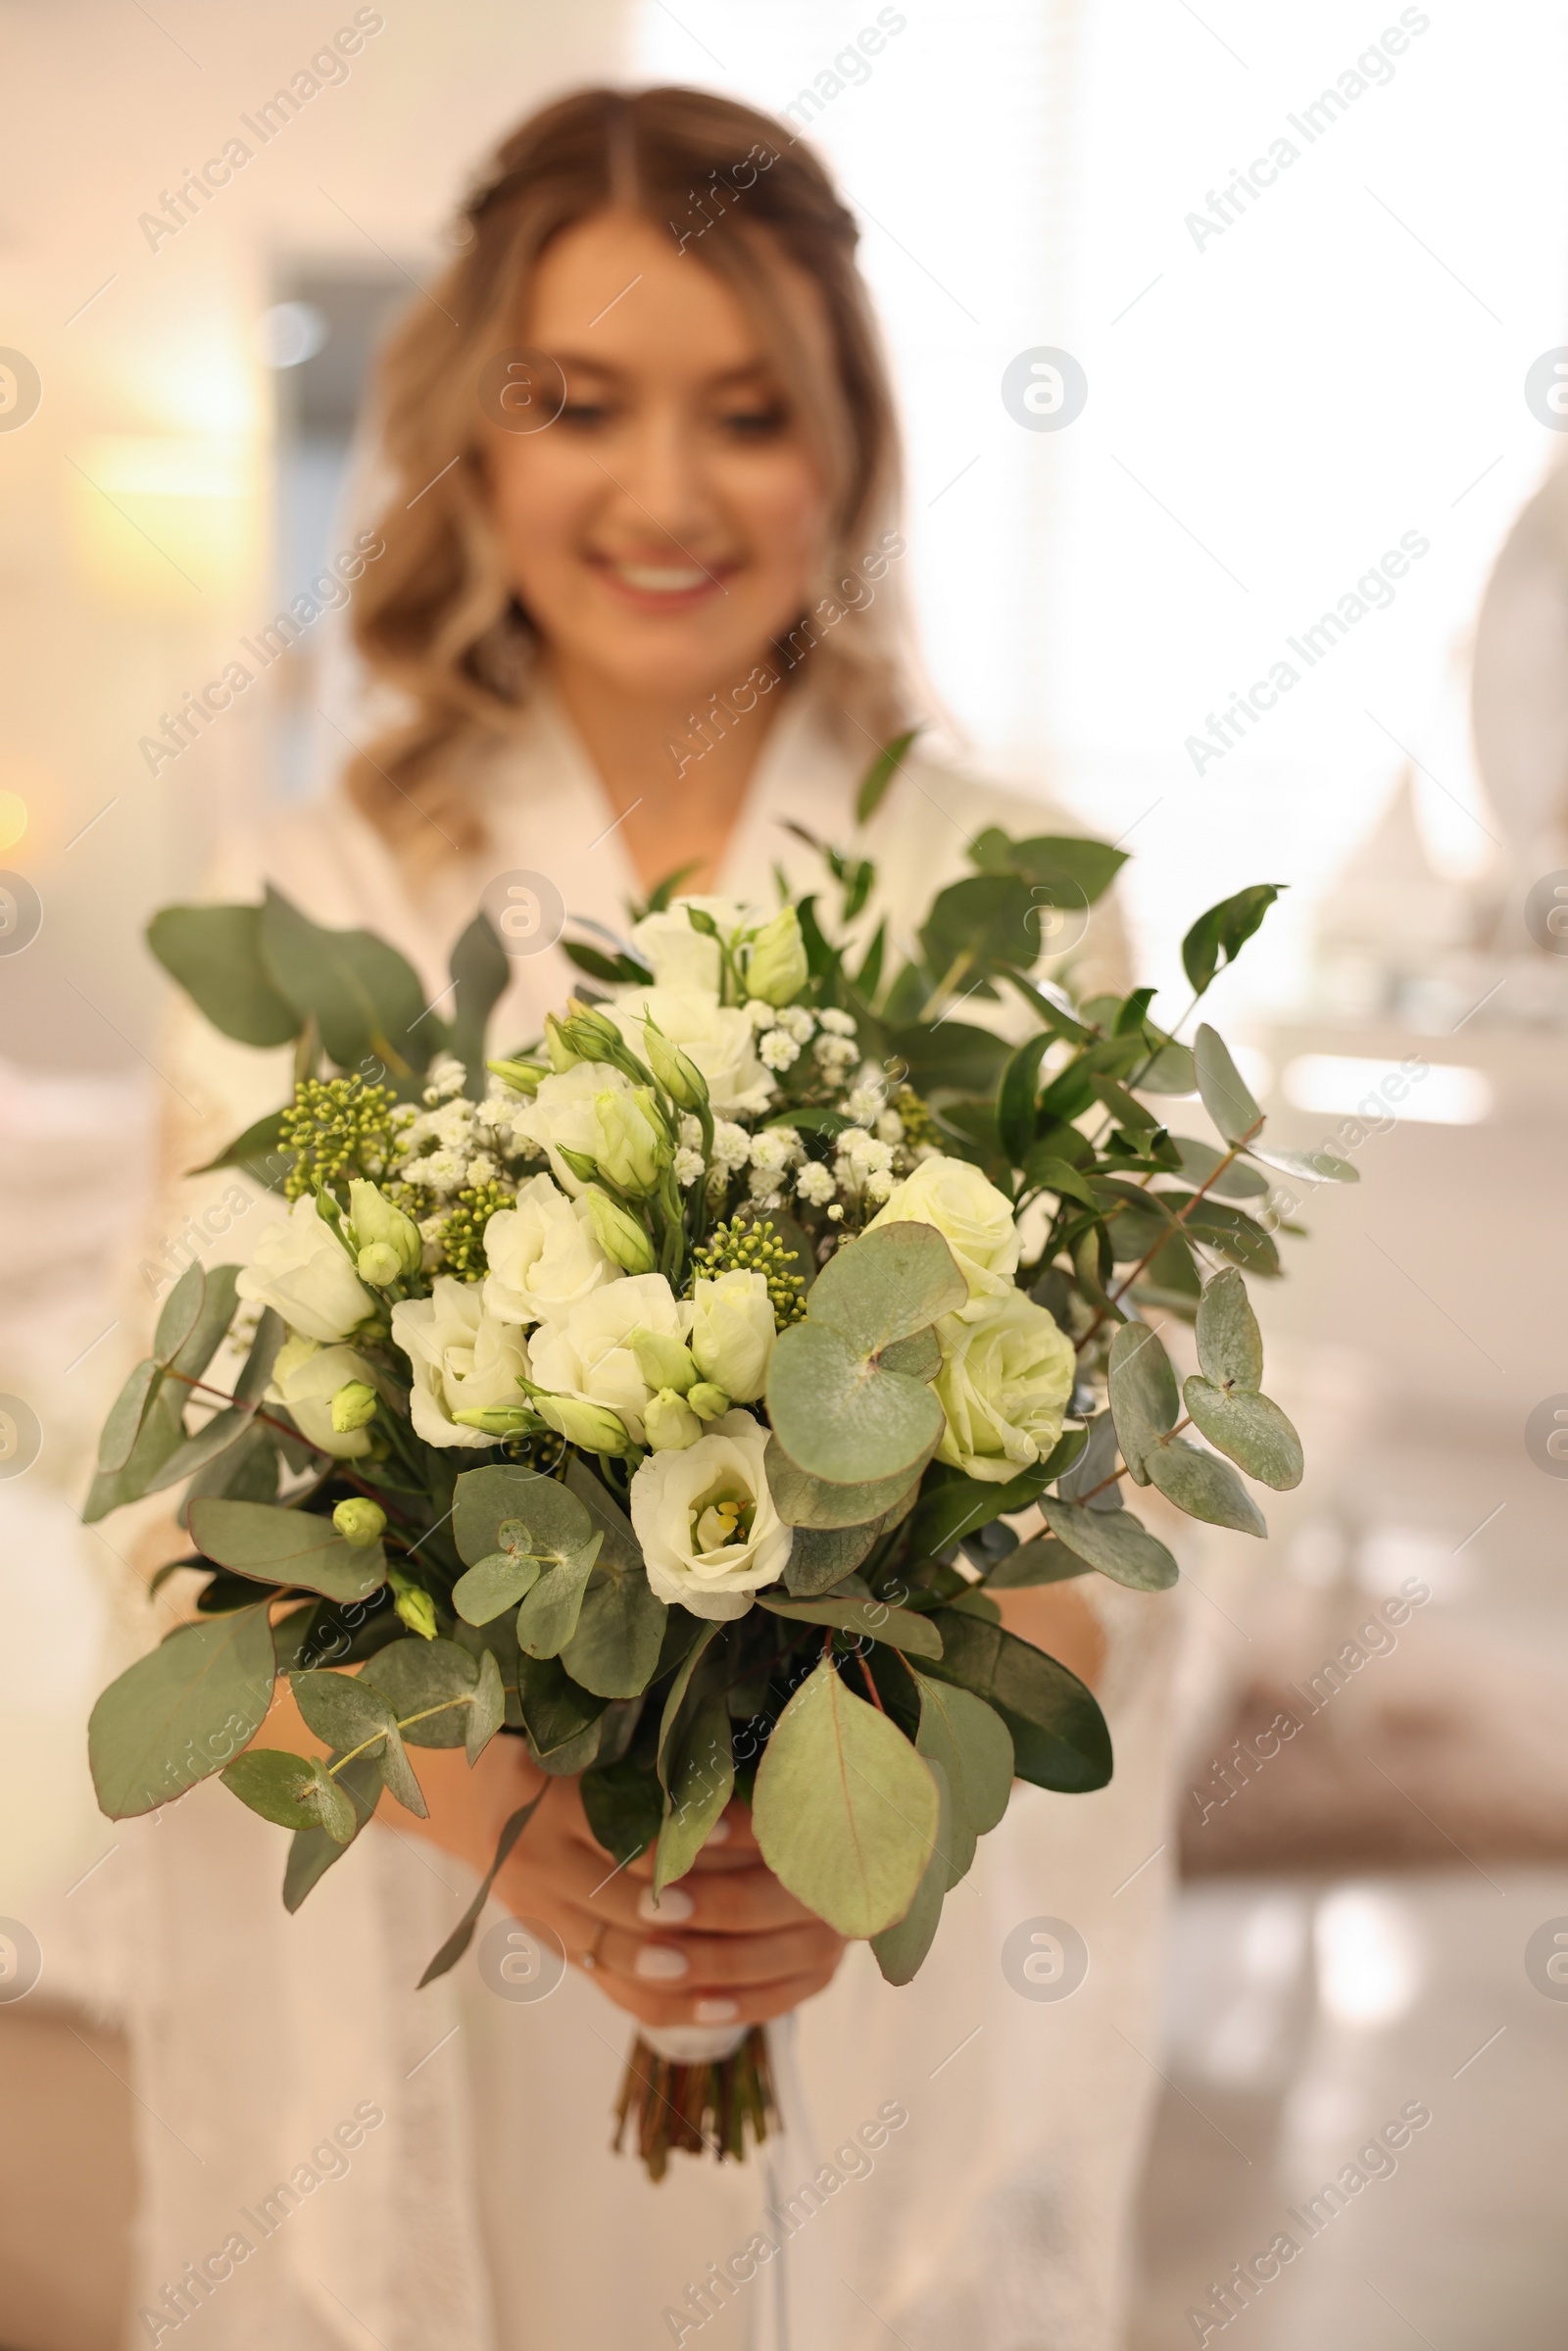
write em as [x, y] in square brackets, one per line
[582, 362]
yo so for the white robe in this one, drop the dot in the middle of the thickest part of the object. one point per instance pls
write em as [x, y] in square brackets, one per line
[486, 2213]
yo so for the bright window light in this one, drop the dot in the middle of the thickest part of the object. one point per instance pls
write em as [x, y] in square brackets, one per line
[1438, 1093]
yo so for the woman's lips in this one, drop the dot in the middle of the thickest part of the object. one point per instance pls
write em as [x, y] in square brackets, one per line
[662, 587]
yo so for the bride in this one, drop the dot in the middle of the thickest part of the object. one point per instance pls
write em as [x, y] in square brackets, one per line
[636, 608]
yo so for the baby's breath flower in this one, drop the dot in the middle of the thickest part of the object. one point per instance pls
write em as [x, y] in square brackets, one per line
[771, 1148]
[688, 1166]
[879, 1186]
[760, 1015]
[442, 1171]
[762, 1184]
[837, 1025]
[814, 1184]
[482, 1168]
[836, 1212]
[443, 1079]
[862, 1105]
[890, 1126]
[778, 1050]
[732, 1145]
[798, 1021]
[690, 1131]
[835, 1055]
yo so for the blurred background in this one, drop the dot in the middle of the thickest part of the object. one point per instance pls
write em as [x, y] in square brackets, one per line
[1310, 272]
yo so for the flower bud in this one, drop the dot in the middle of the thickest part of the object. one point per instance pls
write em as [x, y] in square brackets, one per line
[523, 1077]
[352, 1407]
[413, 1604]
[620, 1236]
[675, 1071]
[732, 1332]
[670, 1422]
[591, 1036]
[382, 1232]
[663, 1362]
[359, 1522]
[561, 1056]
[708, 1402]
[498, 1420]
[592, 1427]
[778, 969]
[632, 1152]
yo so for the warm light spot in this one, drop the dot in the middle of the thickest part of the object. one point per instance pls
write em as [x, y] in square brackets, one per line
[13, 820]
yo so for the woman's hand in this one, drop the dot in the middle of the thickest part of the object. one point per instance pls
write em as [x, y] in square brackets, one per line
[726, 1944]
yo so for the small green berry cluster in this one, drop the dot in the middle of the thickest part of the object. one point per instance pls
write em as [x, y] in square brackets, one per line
[463, 1233]
[920, 1127]
[336, 1128]
[739, 1247]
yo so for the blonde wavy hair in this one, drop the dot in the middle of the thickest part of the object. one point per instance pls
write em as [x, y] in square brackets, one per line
[436, 620]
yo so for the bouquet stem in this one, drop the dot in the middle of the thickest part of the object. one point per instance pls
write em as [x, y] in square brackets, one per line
[691, 2107]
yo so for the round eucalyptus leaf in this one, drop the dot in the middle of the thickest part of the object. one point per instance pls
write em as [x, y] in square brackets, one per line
[886, 1285]
[1252, 1429]
[837, 1415]
[1113, 1541]
[1205, 1487]
[1144, 1397]
[1230, 1345]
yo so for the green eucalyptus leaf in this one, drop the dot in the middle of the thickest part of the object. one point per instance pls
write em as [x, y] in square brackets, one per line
[429, 1685]
[481, 972]
[842, 1419]
[1219, 1082]
[845, 1810]
[296, 1791]
[1199, 1160]
[973, 1747]
[180, 1713]
[487, 1711]
[625, 1804]
[879, 775]
[286, 1547]
[1314, 1167]
[1230, 1345]
[312, 1851]
[214, 953]
[886, 1285]
[462, 1935]
[126, 1416]
[1252, 1429]
[492, 1586]
[1144, 1403]
[547, 1617]
[351, 1713]
[1219, 936]
[1040, 1561]
[561, 1721]
[1205, 1487]
[1113, 1541]
[365, 999]
[539, 1515]
[701, 1786]
[901, 1949]
[876, 1620]
[1016, 1097]
[804, 1500]
[1171, 1071]
[1059, 1738]
[820, 1557]
[616, 1649]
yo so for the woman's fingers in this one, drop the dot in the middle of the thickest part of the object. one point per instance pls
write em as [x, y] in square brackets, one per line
[702, 1963]
[755, 2004]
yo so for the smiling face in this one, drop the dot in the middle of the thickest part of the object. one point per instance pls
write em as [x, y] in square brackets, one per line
[669, 524]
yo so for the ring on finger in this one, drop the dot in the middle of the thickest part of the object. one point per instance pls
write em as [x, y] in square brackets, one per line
[590, 1957]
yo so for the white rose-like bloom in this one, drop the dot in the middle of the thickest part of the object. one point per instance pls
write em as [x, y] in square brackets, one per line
[974, 1217]
[732, 1333]
[707, 1522]
[306, 1378]
[680, 956]
[587, 1354]
[718, 1038]
[1006, 1375]
[463, 1360]
[564, 1111]
[544, 1260]
[303, 1270]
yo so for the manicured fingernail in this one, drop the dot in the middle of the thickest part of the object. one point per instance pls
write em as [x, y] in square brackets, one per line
[717, 2012]
[718, 1833]
[673, 1905]
[661, 1963]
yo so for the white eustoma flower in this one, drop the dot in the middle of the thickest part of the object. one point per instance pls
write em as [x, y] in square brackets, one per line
[1006, 1375]
[302, 1269]
[732, 1332]
[565, 1111]
[974, 1217]
[544, 1260]
[587, 1354]
[718, 1038]
[306, 1377]
[680, 956]
[709, 1531]
[463, 1360]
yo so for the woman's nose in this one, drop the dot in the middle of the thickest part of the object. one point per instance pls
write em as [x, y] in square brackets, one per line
[658, 471]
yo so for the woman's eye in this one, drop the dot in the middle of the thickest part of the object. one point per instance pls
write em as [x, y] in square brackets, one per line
[585, 413]
[754, 423]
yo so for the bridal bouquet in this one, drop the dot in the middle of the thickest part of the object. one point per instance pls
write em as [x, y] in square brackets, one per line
[669, 1395]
